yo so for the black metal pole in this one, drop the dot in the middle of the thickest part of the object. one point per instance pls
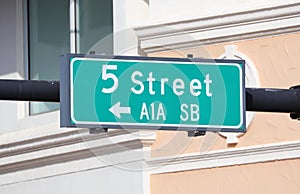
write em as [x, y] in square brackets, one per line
[273, 100]
[257, 99]
[29, 90]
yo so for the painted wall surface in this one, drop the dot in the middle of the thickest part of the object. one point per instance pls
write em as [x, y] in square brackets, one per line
[274, 177]
[162, 11]
[106, 180]
[277, 63]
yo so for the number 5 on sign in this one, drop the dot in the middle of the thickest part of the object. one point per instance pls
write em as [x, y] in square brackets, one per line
[106, 76]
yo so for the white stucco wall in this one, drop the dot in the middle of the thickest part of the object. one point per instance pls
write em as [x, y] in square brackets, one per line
[162, 11]
[107, 180]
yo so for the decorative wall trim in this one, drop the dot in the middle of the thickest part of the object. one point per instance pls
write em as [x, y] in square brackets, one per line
[64, 153]
[218, 29]
[129, 159]
[69, 162]
[62, 147]
[229, 157]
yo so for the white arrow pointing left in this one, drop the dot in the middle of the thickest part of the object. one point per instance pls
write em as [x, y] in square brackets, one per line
[117, 110]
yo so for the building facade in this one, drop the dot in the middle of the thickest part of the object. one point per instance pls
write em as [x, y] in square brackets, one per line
[37, 156]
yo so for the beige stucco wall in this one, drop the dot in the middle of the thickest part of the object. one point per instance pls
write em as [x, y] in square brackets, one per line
[277, 60]
[274, 177]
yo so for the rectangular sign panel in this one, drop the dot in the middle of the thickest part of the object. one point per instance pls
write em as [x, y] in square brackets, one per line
[153, 93]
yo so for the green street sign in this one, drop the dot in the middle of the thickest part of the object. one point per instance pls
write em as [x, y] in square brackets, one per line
[153, 93]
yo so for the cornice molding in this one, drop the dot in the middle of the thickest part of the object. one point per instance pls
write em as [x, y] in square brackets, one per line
[218, 29]
[52, 165]
[68, 146]
[228, 157]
